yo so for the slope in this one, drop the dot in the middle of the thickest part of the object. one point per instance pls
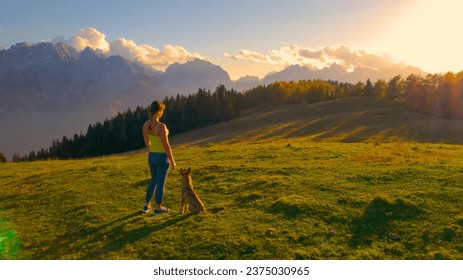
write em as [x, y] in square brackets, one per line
[358, 119]
[275, 194]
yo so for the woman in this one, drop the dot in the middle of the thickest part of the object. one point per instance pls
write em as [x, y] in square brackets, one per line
[159, 158]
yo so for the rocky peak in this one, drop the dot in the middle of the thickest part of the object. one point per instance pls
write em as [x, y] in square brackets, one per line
[88, 54]
[41, 56]
[65, 52]
[196, 65]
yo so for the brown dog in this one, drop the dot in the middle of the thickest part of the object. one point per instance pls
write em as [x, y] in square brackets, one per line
[190, 200]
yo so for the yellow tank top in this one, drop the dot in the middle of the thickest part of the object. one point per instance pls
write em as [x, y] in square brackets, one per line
[155, 142]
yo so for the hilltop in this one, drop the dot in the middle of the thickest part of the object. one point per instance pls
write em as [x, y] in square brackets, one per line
[354, 119]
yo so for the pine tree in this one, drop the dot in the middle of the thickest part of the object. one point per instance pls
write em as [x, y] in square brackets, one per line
[369, 90]
[3, 158]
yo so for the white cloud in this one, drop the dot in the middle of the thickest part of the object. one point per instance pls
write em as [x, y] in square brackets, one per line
[149, 55]
[89, 37]
[146, 54]
[273, 60]
[250, 55]
[319, 58]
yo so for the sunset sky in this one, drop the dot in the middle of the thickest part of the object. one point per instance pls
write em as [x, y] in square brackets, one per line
[249, 37]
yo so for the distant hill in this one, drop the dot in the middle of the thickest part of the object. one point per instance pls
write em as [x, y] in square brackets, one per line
[355, 119]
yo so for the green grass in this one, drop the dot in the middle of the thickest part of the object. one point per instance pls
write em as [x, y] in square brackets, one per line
[276, 199]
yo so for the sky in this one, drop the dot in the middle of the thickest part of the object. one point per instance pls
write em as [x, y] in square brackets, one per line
[248, 37]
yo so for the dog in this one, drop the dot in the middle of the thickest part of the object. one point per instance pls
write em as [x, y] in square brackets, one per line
[190, 200]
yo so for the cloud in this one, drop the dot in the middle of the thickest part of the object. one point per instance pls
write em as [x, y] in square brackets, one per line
[146, 54]
[89, 37]
[274, 60]
[319, 58]
[149, 55]
[250, 55]
[352, 58]
[309, 53]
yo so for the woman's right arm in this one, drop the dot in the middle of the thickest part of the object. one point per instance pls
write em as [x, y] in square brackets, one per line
[166, 145]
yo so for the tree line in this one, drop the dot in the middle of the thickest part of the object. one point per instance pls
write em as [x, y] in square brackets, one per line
[436, 95]
[123, 132]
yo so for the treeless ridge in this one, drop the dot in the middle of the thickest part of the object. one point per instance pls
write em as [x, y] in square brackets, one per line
[357, 119]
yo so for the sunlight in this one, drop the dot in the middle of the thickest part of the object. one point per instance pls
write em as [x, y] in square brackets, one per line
[236, 68]
[427, 36]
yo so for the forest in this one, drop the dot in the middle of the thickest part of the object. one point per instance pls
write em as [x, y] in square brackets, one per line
[438, 95]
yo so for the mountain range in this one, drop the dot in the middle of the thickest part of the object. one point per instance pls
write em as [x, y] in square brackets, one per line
[51, 90]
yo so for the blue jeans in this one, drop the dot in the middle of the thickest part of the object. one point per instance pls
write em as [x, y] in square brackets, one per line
[159, 167]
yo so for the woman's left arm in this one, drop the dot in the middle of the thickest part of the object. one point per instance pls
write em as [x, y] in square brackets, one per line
[145, 137]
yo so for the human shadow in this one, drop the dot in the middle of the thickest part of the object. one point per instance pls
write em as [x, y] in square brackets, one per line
[77, 236]
[142, 183]
[118, 236]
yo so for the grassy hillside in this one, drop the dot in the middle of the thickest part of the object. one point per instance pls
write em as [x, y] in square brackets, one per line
[271, 196]
[341, 120]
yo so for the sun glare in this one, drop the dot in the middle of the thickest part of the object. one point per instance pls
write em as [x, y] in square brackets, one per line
[427, 36]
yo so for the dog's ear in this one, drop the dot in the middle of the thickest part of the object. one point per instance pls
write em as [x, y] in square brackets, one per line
[189, 169]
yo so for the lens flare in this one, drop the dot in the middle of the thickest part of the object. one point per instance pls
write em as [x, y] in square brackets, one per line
[9, 241]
